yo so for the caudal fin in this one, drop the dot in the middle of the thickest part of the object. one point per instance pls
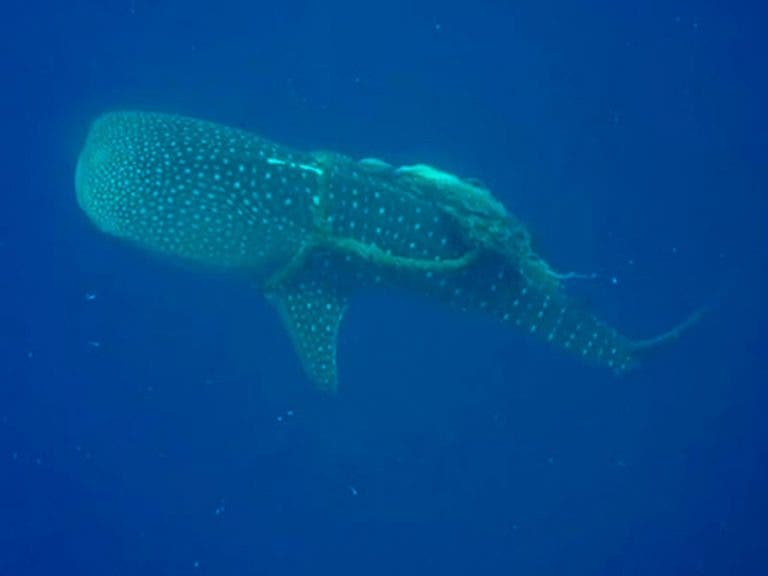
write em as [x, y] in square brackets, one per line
[640, 347]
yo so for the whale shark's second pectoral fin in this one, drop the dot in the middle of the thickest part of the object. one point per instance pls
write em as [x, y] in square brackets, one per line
[312, 309]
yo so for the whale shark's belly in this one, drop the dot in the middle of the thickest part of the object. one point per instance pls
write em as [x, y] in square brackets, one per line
[196, 190]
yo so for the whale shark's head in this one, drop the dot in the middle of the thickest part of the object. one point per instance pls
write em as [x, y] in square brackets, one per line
[191, 189]
[101, 188]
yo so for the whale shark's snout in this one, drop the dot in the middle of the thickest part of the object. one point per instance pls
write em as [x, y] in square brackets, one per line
[100, 176]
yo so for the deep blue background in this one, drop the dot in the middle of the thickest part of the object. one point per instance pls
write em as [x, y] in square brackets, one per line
[631, 139]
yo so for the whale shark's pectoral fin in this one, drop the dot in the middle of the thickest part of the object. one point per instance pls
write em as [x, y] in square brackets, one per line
[312, 308]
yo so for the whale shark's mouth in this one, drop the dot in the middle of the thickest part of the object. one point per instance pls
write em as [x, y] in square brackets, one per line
[85, 191]
[79, 187]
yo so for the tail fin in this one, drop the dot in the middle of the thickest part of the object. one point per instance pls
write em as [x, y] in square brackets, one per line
[648, 344]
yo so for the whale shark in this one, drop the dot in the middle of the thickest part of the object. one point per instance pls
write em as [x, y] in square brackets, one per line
[314, 228]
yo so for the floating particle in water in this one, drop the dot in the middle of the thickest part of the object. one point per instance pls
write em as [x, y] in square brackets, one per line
[94, 343]
[353, 490]
[284, 416]
[90, 296]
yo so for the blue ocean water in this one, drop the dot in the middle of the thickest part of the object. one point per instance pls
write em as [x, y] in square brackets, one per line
[154, 419]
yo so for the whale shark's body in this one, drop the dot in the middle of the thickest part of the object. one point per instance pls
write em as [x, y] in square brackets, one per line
[314, 228]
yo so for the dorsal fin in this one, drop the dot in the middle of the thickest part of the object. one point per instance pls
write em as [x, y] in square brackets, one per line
[312, 308]
[468, 193]
[376, 164]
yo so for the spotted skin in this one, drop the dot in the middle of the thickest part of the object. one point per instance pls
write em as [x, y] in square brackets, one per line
[195, 190]
[315, 228]
[503, 291]
[392, 214]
